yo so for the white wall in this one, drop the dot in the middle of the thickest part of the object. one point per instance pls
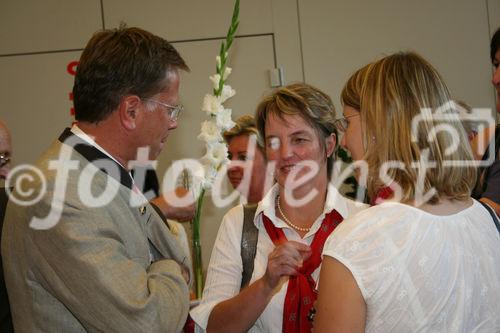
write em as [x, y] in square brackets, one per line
[340, 36]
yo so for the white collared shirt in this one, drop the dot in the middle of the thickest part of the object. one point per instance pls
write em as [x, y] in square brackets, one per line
[225, 268]
[85, 137]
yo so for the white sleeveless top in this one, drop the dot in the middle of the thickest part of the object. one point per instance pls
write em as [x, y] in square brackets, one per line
[420, 272]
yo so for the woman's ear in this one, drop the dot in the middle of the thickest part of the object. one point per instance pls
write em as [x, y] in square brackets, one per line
[128, 110]
[330, 144]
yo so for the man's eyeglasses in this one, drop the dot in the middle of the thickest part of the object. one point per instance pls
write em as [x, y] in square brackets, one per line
[342, 123]
[4, 159]
[174, 111]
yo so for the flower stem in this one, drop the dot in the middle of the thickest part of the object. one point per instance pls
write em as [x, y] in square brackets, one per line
[225, 45]
[197, 260]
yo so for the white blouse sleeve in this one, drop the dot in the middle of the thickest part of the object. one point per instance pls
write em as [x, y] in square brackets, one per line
[368, 245]
[225, 267]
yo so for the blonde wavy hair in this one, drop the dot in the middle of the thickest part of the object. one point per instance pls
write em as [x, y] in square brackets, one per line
[245, 125]
[389, 94]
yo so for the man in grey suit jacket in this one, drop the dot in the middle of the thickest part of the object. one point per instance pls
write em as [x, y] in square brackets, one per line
[90, 253]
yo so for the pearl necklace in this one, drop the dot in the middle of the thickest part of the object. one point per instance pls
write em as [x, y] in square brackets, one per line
[296, 227]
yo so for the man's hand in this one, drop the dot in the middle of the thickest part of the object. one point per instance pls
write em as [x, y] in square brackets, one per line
[185, 273]
[178, 205]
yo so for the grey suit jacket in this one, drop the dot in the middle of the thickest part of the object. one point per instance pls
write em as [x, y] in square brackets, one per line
[108, 268]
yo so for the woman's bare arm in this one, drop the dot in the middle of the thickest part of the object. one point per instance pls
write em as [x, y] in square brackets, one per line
[340, 306]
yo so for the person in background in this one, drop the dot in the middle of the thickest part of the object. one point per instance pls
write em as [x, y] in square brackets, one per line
[5, 150]
[488, 185]
[246, 152]
[495, 60]
[5, 156]
[113, 264]
[426, 259]
[163, 202]
[465, 112]
[292, 221]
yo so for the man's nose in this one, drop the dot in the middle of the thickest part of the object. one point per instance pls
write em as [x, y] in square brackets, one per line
[172, 124]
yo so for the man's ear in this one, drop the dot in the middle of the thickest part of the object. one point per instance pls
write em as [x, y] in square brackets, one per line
[128, 110]
[330, 144]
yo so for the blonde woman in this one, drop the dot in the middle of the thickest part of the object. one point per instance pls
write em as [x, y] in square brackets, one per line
[297, 124]
[427, 260]
[247, 170]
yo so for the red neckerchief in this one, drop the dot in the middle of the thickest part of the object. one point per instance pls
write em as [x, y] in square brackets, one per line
[383, 193]
[301, 293]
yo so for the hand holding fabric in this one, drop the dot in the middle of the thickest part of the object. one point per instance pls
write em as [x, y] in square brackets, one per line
[285, 260]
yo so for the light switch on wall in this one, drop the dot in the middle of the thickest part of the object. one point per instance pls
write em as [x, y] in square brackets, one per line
[276, 77]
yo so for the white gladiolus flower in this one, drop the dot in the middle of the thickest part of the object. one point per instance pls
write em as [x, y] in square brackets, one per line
[203, 180]
[216, 148]
[227, 71]
[215, 80]
[197, 176]
[212, 105]
[212, 129]
[210, 133]
[227, 93]
[216, 154]
[210, 175]
[224, 121]
[207, 182]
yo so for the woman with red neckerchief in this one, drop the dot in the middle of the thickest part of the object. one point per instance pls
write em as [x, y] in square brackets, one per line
[293, 220]
[426, 258]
